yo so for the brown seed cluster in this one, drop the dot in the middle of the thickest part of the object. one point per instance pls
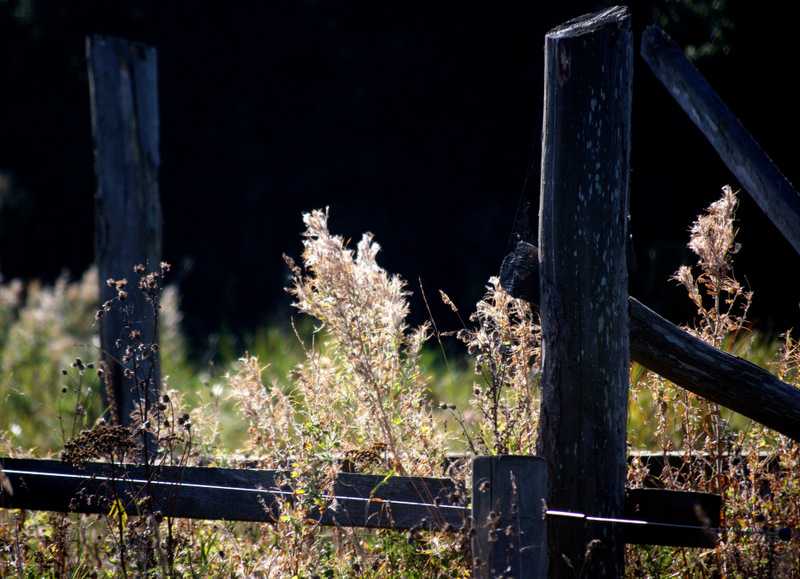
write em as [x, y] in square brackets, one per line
[107, 442]
[362, 460]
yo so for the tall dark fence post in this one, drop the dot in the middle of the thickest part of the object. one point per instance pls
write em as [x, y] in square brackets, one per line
[124, 100]
[583, 285]
[508, 517]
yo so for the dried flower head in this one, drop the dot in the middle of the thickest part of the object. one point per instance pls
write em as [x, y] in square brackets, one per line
[713, 241]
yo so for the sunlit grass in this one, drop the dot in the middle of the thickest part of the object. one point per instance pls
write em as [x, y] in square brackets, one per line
[348, 376]
[646, 402]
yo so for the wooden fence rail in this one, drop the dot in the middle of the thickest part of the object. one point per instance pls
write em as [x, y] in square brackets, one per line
[249, 494]
[235, 494]
[507, 491]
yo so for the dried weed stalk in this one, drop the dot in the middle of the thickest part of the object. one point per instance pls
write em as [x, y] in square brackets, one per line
[359, 401]
[505, 346]
[363, 378]
[753, 468]
[713, 241]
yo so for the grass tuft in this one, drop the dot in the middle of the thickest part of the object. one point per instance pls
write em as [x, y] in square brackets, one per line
[350, 386]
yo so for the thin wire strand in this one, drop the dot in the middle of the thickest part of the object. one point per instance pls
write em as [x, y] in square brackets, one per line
[225, 488]
[610, 520]
[547, 513]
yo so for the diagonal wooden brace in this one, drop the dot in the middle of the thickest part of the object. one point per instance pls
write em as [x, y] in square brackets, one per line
[673, 353]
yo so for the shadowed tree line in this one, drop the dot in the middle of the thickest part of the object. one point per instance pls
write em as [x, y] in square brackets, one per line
[417, 122]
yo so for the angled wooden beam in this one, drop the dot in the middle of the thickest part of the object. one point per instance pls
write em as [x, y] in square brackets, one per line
[736, 147]
[681, 358]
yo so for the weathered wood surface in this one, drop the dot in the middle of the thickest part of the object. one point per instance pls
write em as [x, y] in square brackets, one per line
[584, 284]
[723, 378]
[677, 508]
[673, 353]
[234, 494]
[244, 494]
[128, 224]
[508, 515]
[736, 147]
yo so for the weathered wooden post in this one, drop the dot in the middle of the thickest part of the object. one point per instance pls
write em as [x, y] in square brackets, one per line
[508, 517]
[583, 286]
[124, 101]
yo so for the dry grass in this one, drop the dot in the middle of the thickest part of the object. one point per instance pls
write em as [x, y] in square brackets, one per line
[360, 394]
[753, 468]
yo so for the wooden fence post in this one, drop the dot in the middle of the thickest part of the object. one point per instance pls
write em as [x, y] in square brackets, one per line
[124, 101]
[583, 286]
[508, 517]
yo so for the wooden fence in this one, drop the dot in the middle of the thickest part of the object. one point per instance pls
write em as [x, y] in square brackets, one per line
[508, 492]
[128, 224]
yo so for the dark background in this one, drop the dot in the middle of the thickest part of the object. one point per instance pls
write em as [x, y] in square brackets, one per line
[418, 121]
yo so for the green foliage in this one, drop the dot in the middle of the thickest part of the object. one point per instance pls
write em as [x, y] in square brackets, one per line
[352, 382]
[43, 330]
[704, 27]
[46, 394]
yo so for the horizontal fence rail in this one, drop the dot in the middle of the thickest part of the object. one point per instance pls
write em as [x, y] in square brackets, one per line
[240, 494]
[357, 500]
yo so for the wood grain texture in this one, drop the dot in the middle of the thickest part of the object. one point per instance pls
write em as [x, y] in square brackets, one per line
[128, 224]
[508, 513]
[671, 352]
[583, 284]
